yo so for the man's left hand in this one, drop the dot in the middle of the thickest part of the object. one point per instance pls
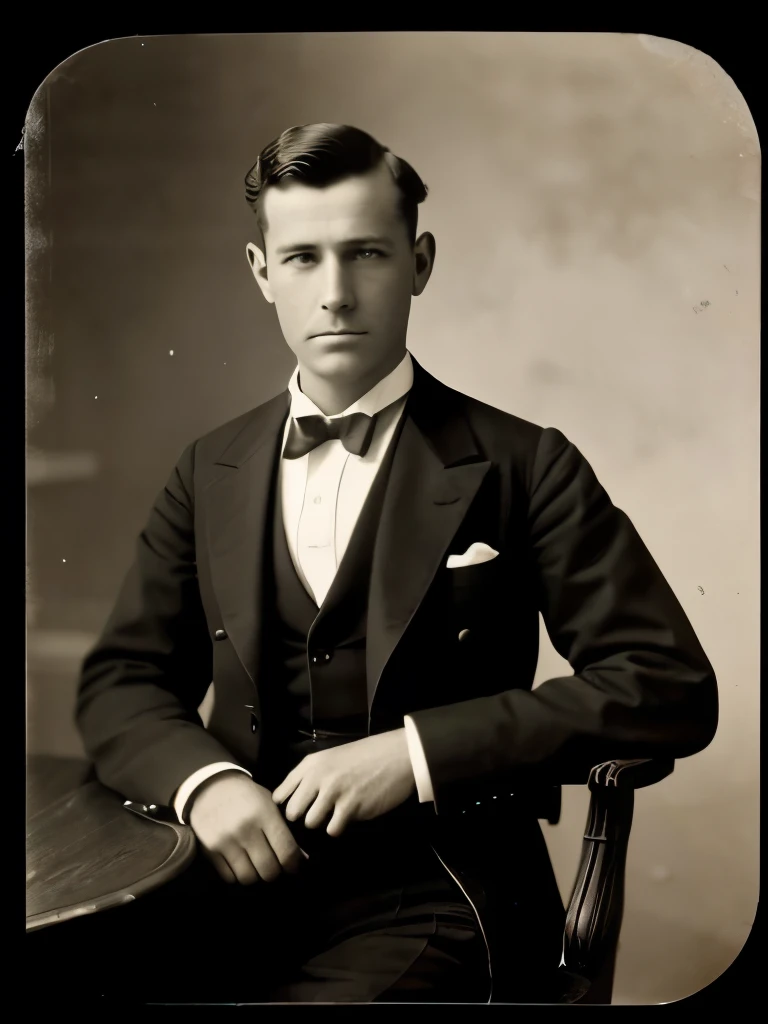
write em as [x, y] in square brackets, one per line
[356, 781]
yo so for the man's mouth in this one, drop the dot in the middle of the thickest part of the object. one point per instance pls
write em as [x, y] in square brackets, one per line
[337, 334]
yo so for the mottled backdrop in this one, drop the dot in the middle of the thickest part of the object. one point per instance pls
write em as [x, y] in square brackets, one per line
[595, 200]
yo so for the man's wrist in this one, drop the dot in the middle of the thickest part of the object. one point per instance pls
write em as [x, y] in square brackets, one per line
[213, 779]
[419, 767]
[405, 755]
[182, 802]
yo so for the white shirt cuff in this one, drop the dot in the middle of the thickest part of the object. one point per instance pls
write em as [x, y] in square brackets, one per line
[418, 762]
[187, 788]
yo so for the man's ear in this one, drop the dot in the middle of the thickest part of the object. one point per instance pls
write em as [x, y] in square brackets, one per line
[258, 264]
[424, 261]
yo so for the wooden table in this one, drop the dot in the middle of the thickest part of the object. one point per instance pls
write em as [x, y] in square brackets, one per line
[85, 851]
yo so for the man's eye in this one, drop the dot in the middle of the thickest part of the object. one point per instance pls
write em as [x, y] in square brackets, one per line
[304, 258]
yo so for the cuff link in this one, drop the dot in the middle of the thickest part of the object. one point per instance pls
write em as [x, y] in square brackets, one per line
[152, 811]
[133, 805]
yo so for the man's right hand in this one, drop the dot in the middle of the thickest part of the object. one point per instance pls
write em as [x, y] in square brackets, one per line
[242, 831]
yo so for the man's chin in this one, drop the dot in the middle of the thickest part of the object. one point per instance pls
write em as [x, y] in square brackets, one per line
[342, 363]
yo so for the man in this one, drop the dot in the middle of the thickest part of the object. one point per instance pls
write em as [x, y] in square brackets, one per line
[359, 565]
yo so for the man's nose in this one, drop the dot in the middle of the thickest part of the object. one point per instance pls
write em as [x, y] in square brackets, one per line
[338, 292]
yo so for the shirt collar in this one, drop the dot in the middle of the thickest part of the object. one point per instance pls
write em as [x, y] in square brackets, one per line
[388, 390]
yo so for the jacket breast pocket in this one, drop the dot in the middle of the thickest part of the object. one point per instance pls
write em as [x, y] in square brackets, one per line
[477, 593]
[479, 576]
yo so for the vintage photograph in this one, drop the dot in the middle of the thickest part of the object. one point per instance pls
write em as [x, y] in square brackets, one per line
[392, 519]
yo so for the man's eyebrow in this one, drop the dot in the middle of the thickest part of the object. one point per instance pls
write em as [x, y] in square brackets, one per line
[305, 246]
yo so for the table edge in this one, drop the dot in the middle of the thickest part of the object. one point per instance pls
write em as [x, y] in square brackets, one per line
[177, 860]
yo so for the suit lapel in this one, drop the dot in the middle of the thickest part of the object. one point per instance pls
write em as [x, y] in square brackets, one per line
[436, 472]
[238, 504]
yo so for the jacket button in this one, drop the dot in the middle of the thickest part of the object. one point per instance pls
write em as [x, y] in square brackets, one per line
[463, 634]
[220, 634]
[321, 657]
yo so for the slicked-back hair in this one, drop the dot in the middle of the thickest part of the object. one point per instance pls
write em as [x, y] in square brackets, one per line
[322, 154]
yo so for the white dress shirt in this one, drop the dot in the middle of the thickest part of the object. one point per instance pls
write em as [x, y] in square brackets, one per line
[322, 495]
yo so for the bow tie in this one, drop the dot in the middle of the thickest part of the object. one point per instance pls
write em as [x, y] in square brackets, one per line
[308, 432]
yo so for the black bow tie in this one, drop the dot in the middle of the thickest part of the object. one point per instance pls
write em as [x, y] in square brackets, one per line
[307, 432]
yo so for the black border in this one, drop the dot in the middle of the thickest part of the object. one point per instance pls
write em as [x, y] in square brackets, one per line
[41, 47]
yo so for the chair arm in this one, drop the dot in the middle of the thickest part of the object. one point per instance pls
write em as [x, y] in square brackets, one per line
[593, 919]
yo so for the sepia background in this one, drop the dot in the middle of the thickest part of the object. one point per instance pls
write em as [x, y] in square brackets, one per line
[595, 200]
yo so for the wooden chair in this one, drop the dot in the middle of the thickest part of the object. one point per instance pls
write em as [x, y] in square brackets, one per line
[595, 910]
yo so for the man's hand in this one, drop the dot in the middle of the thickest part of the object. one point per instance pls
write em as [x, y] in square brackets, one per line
[356, 781]
[241, 831]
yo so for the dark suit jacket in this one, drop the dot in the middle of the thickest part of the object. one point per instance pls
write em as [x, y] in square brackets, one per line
[462, 472]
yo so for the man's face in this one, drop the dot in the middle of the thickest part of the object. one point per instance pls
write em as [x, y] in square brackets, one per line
[341, 271]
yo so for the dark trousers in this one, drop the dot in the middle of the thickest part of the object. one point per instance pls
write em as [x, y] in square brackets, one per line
[365, 920]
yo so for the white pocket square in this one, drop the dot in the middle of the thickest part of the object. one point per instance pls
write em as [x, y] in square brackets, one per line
[474, 555]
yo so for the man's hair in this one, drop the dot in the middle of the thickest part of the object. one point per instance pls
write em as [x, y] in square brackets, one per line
[322, 154]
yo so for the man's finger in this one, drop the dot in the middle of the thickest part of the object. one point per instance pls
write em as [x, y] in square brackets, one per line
[285, 847]
[300, 800]
[287, 786]
[233, 865]
[318, 812]
[339, 820]
[220, 864]
[264, 859]
[242, 866]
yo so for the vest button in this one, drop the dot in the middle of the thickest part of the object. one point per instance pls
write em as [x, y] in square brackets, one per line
[321, 657]
[220, 634]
